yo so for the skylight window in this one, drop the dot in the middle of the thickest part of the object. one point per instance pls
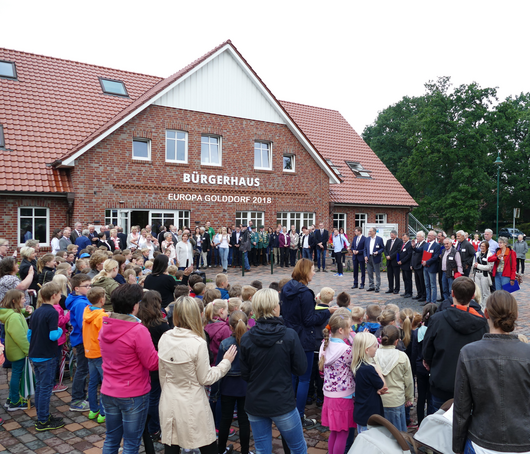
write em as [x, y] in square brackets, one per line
[8, 70]
[334, 167]
[113, 87]
[2, 139]
[358, 169]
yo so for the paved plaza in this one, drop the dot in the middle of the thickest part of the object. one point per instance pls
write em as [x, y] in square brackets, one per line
[81, 435]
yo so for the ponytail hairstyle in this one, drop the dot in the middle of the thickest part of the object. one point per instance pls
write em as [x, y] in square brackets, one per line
[43, 261]
[62, 281]
[238, 323]
[387, 317]
[389, 335]
[362, 341]
[212, 309]
[108, 267]
[337, 321]
[428, 311]
[406, 316]
[12, 300]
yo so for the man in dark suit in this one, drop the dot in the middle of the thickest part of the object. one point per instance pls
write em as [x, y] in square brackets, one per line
[123, 238]
[77, 232]
[161, 234]
[235, 241]
[441, 237]
[392, 248]
[374, 248]
[467, 251]
[405, 258]
[357, 249]
[417, 267]
[430, 267]
[305, 242]
[321, 240]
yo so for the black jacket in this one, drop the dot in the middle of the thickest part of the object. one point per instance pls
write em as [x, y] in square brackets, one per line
[321, 238]
[448, 332]
[393, 252]
[405, 256]
[467, 253]
[492, 391]
[24, 270]
[417, 254]
[270, 354]
[319, 335]
[123, 240]
[205, 242]
[298, 311]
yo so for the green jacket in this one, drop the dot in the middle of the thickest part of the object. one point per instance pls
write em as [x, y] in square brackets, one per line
[263, 240]
[108, 284]
[254, 238]
[16, 328]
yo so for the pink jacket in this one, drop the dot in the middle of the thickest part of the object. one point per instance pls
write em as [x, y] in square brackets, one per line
[219, 330]
[63, 320]
[338, 376]
[128, 355]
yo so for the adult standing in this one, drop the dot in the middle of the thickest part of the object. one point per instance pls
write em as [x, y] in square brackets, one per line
[488, 236]
[77, 232]
[161, 234]
[114, 241]
[133, 239]
[103, 242]
[56, 236]
[263, 245]
[339, 242]
[167, 244]
[224, 244]
[482, 272]
[357, 250]
[476, 242]
[521, 248]
[293, 247]
[306, 243]
[205, 246]
[92, 235]
[65, 241]
[504, 266]
[254, 244]
[29, 260]
[417, 266]
[184, 253]
[430, 266]
[274, 244]
[245, 246]
[440, 238]
[83, 241]
[493, 386]
[405, 258]
[466, 250]
[10, 281]
[161, 281]
[298, 311]
[373, 252]
[284, 243]
[450, 263]
[321, 241]
[235, 241]
[392, 248]
[211, 251]
[270, 354]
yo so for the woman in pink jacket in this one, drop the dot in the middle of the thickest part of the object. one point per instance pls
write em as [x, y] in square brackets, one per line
[128, 355]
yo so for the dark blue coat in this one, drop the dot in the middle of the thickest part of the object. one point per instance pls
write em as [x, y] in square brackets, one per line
[432, 264]
[360, 247]
[405, 256]
[82, 242]
[379, 249]
[298, 311]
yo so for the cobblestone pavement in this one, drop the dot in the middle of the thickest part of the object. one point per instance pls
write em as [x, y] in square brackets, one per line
[81, 435]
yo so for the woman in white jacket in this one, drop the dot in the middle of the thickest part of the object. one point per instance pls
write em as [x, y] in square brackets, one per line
[184, 370]
[184, 252]
[482, 271]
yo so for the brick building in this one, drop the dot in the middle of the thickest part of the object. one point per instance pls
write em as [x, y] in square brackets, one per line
[85, 143]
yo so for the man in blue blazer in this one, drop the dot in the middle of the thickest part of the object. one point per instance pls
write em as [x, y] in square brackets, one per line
[374, 248]
[405, 258]
[357, 249]
[430, 267]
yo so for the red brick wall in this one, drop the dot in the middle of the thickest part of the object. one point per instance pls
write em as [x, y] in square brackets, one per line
[107, 174]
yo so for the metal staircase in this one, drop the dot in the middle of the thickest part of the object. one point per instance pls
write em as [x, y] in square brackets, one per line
[415, 226]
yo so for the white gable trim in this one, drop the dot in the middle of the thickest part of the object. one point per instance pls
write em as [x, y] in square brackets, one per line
[70, 161]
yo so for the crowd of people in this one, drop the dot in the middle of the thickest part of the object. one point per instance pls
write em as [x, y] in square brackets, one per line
[162, 355]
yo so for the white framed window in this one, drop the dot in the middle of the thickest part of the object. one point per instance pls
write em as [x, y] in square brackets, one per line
[298, 219]
[263, 155]
[380, 218]
[360, 220]
[33, 224]
[176, 146]
[289, 163]
[111, 217]
[180, 219]
[339, 221]
[211, 153]
[244, 217]
[141, 149]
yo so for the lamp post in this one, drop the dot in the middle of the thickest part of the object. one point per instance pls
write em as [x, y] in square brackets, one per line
[498, 163]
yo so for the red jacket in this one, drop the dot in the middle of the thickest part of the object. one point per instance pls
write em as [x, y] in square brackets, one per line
[509, 265]
[285, 239]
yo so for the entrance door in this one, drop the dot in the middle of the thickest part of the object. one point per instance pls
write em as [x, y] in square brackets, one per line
[140, 218]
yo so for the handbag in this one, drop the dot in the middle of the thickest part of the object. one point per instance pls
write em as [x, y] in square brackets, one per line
[344, 249]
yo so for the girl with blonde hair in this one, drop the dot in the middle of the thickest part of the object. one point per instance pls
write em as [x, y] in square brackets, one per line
[224, 244]
[184, 369]
[105, 279]
[64, 319]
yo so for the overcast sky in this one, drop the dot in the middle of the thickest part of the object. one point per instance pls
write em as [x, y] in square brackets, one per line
[357, 57]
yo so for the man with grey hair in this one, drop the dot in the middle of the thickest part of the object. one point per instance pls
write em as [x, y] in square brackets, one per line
[392, 248]
[417, 266]
[374, 248]
[488, 236]
[65, 241]
[83, 241]
[77, 232]
[467, 251]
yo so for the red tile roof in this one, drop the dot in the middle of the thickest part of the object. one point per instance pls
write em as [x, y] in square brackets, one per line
[337, 141]
[53, 106]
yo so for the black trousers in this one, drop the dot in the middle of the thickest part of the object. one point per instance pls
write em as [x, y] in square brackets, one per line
[236, 257]
[292, 256]
[407, 281]
[228, 403]
[420, 282]
[393, 277]
[175, 449]
[424, 395]
[284, 256]
[440, 283]
[253, 258]
[316, 383]
[356, 264]
[338, 259]
[520, 262]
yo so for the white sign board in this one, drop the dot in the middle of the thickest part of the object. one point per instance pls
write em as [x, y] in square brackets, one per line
[383, 230]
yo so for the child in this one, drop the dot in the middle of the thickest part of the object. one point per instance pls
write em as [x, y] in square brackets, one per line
[221, 282]
[234, 304]
[392, 307]
[335, 359]
[373, 311]
[235, 291]
[369, 381]
[257, 285]
[233, 388]
[172, 271]
[246, 307]
[64, 319]
[210, 294]
[130, 276]
[105, 280]
[76, 303]
[217, 326]
[395, 366]
[12, 315]
[43, 334]
[180, 290]
[198, 290]
[46, 268]
[92, 323]
[357, 316]
[148, 267]
[343, 300]
[274, 286]
[247, 292]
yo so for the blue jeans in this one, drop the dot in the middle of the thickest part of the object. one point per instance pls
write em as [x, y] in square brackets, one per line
[289, 425]
[44, 380]
[301, 384]
[79, 384]
[95, 368]
[430, 285]
[230, 254]
[436, 403]
[468, 449]
[125, 418]
[17, 367]
[246, 265]
[447, 283]
[223, 253]
[306, 253]
[361, 429]
[396, 415]
[321, 257]
[500, 281]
